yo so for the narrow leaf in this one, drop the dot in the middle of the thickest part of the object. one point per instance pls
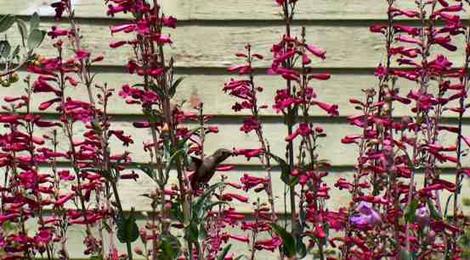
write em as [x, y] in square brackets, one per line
[23, 29]
[410, 213]
[34, 22]
[175, 86]
[285, 169]
[287, 239]
[224, 252]
[172, 160]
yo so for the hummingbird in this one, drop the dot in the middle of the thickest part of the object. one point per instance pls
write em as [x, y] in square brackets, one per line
[205, 169]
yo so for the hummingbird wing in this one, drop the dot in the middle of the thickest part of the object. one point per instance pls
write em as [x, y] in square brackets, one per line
[195, 166]
[195, 163]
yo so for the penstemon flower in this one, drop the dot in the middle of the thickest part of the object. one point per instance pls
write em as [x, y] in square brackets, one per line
[391, 150]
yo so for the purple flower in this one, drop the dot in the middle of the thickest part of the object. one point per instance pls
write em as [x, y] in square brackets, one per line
[367, 217]
[422, 216]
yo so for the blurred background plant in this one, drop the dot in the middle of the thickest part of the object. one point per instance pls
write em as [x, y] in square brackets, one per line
[14, 56]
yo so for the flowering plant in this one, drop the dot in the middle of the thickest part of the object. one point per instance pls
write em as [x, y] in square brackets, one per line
[65, 158]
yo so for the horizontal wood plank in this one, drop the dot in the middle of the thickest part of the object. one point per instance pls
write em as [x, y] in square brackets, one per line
[225, 10]
[214, 46]
[208, 89]
[132, 192]
[329, 148]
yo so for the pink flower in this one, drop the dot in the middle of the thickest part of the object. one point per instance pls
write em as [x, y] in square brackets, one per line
[249, 153]
[269, 244]
[250, 124]
[250, 182]
[169, 21]
[422, 216]
[331, 109]
[320, 53]
[82, 54]
[231, 196]
[303, 130]
[126, 139]
[57, 32]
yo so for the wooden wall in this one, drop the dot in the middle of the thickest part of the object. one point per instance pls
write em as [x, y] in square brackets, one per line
[209, 32]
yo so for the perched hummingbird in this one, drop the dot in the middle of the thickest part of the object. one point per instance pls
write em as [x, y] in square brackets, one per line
[205, 169]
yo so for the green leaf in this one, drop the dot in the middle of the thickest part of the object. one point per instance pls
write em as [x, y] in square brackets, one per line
[224, 252]
[285, 170]
[5, 49]
[15, 52]
[148, 170]
[128, 231]
[301, 248]
[410, 213]
[406, 255]
[170, 247]
[176, 212]
[199, 206]
[96, 257]
[434, 212]
[175, 86]
[446, 208]
[288, 240]
[22, 29]
[6, 22]
[35, 38]
[192, 232]
[34, 22]
[172, 160]
[202, 233]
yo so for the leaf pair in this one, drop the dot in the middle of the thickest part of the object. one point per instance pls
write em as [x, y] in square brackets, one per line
[285, 171]
[291, 246]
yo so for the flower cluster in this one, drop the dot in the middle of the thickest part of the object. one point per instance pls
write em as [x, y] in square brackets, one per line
[292, 60]
[395, 152]
[64, 159]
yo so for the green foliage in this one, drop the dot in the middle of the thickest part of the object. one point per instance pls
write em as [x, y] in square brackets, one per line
[35, 38]
[464, 242]
[466, 202]
[285, 171]
[170, 247]
[34, 22]
[410, 213]
[288, 240]
[175, 86]
[128, 231]
[224, 252]
[195, 231]
[6, 22]
[406, 255]
[5, 49]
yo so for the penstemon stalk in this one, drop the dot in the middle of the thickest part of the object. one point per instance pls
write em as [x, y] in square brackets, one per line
[246, 90]
[174, 145]
[462, 140]
[302, 169]
[399, 217]
[312, 217]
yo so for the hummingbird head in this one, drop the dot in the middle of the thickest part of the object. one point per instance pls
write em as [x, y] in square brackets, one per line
[222, 154]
